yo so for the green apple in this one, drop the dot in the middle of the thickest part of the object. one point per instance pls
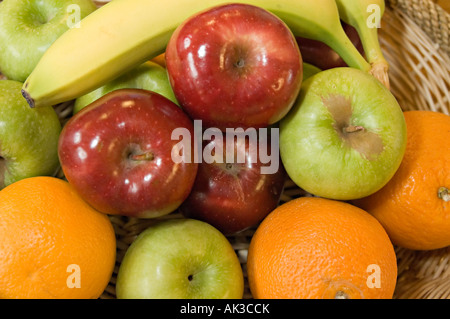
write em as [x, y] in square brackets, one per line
[345, 137]
[180, 259]
[309, 70]
[28, 137]
[148, 76]
[29, 27]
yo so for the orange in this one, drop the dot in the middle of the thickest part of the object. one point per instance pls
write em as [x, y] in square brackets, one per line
[52, 244]
[316, 248]
[414, 207]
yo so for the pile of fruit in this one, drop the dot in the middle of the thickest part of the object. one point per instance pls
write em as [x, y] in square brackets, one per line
[206, 109]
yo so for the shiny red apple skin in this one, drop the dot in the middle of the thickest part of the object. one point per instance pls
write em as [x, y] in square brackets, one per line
[234, 196]
[234, 65]
[116, 153]
[321, 55]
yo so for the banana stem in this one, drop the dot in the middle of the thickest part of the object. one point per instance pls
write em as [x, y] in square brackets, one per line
[343, 46]
[380, 70]
[379, 66]
[28, 98]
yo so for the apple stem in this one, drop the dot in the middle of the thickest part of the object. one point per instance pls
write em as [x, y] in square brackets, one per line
[353, 129]
[443, 193]
[240, 63]
[142, 157]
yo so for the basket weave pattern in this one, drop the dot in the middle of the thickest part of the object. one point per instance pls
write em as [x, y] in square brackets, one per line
[415, 39]
[429, 17]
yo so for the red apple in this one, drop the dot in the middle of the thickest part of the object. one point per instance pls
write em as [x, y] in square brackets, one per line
[235, 194]
[321, 55]
[234, 65]
[117, 154]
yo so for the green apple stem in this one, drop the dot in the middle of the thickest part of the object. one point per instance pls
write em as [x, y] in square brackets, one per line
[444, 194]
[142, 157]
[353, 129]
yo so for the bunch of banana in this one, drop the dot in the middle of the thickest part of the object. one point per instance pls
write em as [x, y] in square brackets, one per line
[125, 33]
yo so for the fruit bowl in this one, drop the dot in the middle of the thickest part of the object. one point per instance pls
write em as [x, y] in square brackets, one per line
[413, 47]
[415, 42]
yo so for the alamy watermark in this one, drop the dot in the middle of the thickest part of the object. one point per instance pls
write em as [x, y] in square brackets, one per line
[240, 145]
[374, 279]
[74, 278]
[74, 18]
[374, 19]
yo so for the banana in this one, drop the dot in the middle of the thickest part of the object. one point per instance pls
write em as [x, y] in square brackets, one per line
[125, 33]
[359, 14]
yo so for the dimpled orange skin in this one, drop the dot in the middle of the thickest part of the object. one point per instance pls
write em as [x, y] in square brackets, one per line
[409, 206]
[314, 248]
[46, 231]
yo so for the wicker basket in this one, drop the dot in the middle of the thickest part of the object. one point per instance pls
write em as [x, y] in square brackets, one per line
[415, 40]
